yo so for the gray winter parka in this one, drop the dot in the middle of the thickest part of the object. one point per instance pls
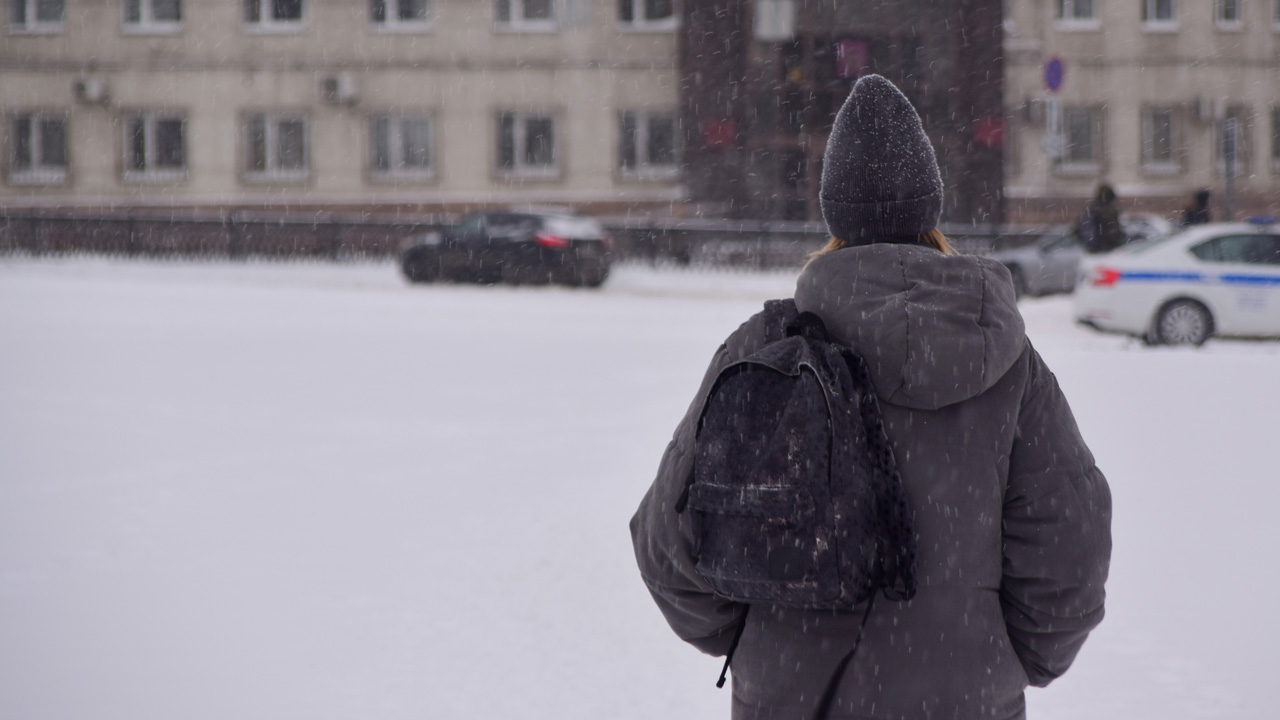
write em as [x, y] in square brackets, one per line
[1011, 513]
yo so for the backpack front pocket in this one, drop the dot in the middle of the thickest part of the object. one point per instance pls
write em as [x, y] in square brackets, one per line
[759, 543]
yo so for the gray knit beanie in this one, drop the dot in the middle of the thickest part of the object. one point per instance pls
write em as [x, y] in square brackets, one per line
[879, 175]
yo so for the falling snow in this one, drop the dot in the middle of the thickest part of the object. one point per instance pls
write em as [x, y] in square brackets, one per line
[255, 491]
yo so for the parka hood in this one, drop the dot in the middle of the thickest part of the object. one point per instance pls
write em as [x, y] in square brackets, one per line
[934, 329]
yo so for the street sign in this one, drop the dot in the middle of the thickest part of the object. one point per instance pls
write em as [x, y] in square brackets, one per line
[1055, 72]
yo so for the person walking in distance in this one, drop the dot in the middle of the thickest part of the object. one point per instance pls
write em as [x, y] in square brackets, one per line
[1198, 212]
[1099, 227]
[1011, 514]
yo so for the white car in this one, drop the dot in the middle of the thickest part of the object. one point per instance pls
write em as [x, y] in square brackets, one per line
[1215, 279]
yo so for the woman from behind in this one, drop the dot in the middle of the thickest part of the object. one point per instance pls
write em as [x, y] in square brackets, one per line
[1011, 515]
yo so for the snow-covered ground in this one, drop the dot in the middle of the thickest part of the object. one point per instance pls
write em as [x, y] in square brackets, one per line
[279, 491]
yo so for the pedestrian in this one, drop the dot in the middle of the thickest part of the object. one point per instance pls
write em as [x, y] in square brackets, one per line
[1011, 514]
[1198, 212]
[1099, 227]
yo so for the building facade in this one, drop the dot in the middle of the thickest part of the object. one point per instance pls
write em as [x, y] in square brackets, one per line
[419, 105]
[1153, 97]
[765, 78]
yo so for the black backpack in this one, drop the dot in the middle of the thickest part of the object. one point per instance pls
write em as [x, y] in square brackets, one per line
[795, 494]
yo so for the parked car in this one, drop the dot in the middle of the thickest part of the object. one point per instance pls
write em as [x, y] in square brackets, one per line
[1215, 279]
[1052, 263]
[511, 247]
[1049, 265]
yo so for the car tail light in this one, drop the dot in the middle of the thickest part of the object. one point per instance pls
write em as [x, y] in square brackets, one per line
[548, 240]
[608, 242]
[1105, 277]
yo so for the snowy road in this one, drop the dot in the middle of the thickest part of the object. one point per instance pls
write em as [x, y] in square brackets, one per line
[269, 492]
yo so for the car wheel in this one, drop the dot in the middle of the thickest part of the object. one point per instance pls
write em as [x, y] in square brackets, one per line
[595, 278]
[1183, 322]
[583, 274]
[1019, 282]
[516, 274]
[421, 269]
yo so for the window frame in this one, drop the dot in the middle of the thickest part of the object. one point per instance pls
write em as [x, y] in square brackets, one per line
[1066, 16]
[1241, 115]
[272, 120]
[395, 140]
[1149, 164]
[30, 24]
[638, 24]
[1223, 24]
[147, 24]
[1093, 166]
[150, 120]
[520, 169]
[1152, 22]
[645, 168]
[393, 23]
[518, 23]
[38, 173]
[268, 25]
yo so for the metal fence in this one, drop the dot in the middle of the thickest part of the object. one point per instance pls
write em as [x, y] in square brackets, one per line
[237, 234]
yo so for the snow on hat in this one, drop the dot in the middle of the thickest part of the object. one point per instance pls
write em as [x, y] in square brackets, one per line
[879, 174]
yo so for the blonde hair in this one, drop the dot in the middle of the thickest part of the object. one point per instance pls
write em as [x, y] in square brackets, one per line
[933, 238]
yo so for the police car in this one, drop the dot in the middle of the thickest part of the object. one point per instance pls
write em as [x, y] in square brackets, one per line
[1216, 279]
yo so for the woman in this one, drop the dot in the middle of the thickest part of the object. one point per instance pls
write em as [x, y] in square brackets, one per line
[1012, 517]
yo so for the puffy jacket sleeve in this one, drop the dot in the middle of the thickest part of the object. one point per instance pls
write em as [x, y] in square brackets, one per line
[664, 542]
[1057, 533]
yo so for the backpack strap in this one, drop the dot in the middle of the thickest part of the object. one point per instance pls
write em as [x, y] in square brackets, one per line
[896, 539]
[807, 325]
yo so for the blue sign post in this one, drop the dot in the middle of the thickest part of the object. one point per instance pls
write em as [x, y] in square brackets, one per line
[1054, 143]
[1054, 73]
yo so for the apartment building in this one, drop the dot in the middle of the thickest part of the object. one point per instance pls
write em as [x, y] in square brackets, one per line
[1154, 96]
[766, 78]
[367, 105]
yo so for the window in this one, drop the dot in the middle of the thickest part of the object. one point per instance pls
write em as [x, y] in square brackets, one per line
[648, 143]
[1074, 11]
[38, 148]
[1082, 131]
[1226, 13]
[526, 143]
[400, 145]
[1230, 135]
[152, 15]
[647, 14]
[35, 15]
[1275, 13]
[1158, 150]
[400, 13]
[527, 14]
[267, 14]
[1251, 249]
[154, 146]
[275, 146]
[1159, 14]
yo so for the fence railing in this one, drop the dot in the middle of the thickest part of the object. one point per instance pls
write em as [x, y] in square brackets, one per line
[234, 234]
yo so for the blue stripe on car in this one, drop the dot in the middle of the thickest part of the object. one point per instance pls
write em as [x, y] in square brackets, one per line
[1199, 277]
[1250, 280]
[1157, 276]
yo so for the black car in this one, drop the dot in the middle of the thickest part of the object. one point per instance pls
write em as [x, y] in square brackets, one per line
[511, 247]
